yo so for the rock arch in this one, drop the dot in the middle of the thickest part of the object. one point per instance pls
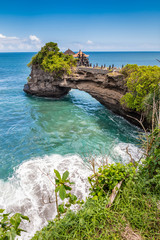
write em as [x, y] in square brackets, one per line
[106, 87]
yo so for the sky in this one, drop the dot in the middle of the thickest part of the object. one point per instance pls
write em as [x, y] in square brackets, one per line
[25, 26]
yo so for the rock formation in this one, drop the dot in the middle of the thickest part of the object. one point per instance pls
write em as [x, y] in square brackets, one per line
[106, 87]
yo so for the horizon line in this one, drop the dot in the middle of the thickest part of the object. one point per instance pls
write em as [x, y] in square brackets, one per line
[88, 51]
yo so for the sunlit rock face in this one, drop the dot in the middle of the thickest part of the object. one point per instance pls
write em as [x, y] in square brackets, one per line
[106, 87]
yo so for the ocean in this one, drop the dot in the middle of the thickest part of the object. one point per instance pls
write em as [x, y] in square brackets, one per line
[39, 135]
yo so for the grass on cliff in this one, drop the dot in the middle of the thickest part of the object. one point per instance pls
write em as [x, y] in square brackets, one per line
[133, 215]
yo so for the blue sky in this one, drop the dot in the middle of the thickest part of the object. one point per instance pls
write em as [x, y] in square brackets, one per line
[87, 25]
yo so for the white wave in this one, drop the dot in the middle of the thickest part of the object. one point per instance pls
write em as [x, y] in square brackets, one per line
[29, 188]
[120, 150]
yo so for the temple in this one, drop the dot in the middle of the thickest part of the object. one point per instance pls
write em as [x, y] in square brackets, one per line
[82, 58]
[69, 52]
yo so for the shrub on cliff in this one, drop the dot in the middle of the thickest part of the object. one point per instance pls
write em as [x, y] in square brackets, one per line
[150, 169]
[108, 176]
[142, 82]
[50, 59]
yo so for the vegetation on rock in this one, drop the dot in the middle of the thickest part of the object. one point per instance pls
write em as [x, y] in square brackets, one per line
[50, 59]
[143, 82]
[150, 168]
[108, 176]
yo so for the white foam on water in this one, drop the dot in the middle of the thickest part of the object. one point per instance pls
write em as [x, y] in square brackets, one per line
[121, 151]
[29, 189]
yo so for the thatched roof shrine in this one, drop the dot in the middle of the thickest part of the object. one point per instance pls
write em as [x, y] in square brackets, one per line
[69, 52]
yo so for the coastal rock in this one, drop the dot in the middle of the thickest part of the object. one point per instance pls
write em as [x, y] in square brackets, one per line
[106, 87]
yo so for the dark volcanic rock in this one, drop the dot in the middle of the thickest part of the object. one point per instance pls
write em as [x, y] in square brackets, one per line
[53, 92]
[107, 88]
[41, 84]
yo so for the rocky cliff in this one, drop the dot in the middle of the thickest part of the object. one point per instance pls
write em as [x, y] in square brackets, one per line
[106, 87]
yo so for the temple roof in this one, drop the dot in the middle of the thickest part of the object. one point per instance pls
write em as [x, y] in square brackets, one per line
[69, 52]
[80, 54]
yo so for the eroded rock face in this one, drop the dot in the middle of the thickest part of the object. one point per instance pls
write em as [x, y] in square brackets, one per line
[107, 88]
[42, 84]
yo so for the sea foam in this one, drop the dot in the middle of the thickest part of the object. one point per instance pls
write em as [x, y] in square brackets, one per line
[29, 189]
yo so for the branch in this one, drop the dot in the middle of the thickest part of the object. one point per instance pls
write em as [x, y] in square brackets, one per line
[46, 174]
[140, 122]
[114, 193]
[132, 160]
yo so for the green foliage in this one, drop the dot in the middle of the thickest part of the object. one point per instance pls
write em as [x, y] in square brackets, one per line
[38, 58]
[139, 207]
[142, 82]
[50, 59]
[150, 169]
[94, 221]
[9, 225]
[107, 177]
[28, 78]
[59, 64]
[63, 188]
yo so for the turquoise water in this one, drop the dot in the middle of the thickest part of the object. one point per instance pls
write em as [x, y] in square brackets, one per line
[76, 124]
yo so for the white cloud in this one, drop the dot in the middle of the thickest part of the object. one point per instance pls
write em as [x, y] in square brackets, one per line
[12, 37]
[11, 44]
[89, 42]
[34, 38]
[2, 36]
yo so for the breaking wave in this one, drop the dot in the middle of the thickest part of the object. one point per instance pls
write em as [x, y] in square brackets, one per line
[29, 189]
